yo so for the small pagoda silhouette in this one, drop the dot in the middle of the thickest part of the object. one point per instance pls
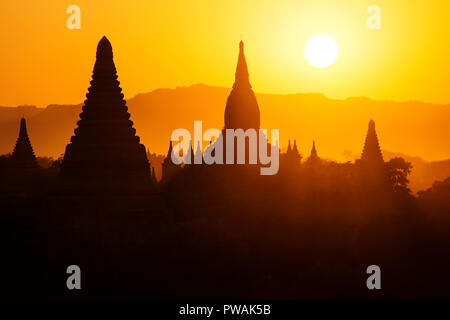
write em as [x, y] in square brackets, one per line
[371, 153]
[23, 154]
[292, 157]
[313, 158]
[105, 147]
[169, 169]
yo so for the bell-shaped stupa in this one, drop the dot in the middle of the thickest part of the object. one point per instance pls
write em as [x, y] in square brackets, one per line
[242, 111]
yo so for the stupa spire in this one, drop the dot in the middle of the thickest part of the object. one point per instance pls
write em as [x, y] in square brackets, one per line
[289, 149]
[23, 154]
[242, 111]
[104, 50]
[189, 159]
[198, 153]
[169, 169]
[294, 149]
[241, 75]
[313, 154]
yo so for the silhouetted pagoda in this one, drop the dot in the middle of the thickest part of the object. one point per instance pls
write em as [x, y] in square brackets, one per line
[23, 154]
[371, 153]
[105, 147]
[292, 157]
[189, 158]
[295, 153]
[289, 149]
[198, 153]
[313, 156]
[169, 169]
[242, 109]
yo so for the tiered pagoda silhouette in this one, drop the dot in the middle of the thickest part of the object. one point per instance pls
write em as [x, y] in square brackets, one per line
[373, 170]
[105, 147]
[371, 153]
[23, 154]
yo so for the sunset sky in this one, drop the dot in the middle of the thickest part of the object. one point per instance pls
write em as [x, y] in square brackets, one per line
[179, 43]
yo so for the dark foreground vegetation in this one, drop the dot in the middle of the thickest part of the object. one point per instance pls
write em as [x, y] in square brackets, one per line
[218, 232]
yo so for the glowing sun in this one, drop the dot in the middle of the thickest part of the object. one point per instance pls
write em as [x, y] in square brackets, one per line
[321, 51]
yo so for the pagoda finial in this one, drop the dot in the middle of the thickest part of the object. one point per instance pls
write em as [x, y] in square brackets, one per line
[294, 149]
[198, 153]
[189, 159]
[241, 75]
[313, 154]
[289, 147]
[104, 49]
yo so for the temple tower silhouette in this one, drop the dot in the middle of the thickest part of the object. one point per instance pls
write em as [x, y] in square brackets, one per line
[292, 158]
[371, 153]
[295, 153]
[198, 153]
[292, 155]
[23, 154]
[169, 169]
[313, 160]
[242, 109]
[313, 156]
[105, 147]
[289, 149]
[189, 158]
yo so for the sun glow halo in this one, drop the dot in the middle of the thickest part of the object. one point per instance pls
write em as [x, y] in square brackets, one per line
[321, 51]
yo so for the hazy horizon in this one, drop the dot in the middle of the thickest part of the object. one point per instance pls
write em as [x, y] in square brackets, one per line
[257, 92]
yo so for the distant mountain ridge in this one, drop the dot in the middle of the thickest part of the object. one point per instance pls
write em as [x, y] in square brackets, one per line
[411, 127]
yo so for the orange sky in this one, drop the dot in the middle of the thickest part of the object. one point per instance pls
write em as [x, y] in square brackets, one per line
[179, 42]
